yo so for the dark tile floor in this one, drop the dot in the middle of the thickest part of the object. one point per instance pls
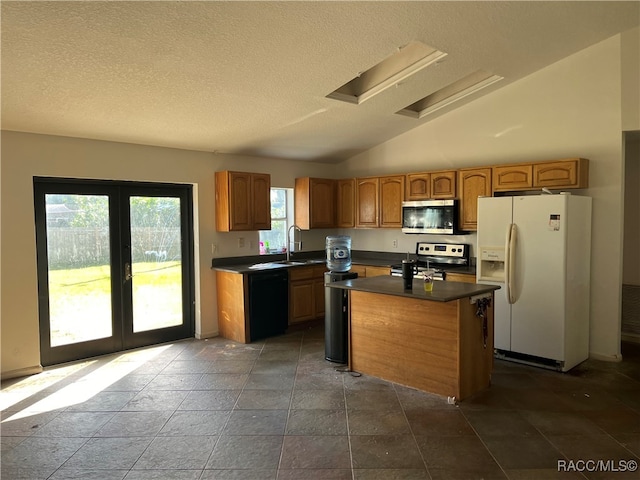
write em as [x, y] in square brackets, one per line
[277, 410]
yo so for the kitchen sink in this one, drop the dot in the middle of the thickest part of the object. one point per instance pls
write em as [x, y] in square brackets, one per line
[285, 263]
[302, 262]
[266, 265]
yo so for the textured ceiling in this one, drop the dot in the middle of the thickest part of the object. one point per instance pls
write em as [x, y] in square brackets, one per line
[252, 77]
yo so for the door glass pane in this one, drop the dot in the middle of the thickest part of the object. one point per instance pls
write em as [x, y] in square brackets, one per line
[78, 268]
[156, 262]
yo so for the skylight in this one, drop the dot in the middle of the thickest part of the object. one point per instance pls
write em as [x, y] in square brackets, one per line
[408, 60]
[451, 93]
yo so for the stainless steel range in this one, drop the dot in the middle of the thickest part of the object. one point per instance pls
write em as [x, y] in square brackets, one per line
[437, 256]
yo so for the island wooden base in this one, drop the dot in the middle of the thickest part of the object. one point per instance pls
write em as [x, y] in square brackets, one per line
[437, 347]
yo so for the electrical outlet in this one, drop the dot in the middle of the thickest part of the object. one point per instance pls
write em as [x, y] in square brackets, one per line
[241, 242]
[395, 243]
[214, 248]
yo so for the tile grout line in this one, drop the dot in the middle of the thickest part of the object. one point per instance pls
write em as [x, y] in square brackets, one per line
[233, 408]
[286, 423]
[413, 435]
[155, 436]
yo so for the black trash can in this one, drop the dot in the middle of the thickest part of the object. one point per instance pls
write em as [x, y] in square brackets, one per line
[336, 317]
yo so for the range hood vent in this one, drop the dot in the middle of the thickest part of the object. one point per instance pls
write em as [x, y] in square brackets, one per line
[408, 60]
[451, 93]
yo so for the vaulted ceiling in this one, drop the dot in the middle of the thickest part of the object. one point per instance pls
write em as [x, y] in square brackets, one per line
[254, 77]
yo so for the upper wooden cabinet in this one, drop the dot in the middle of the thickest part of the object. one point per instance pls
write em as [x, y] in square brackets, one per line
[418, 186]
[427, 185]
[379, 201]
[346, 203]
[512, 177]
[443, 184]
[261, 201]
[569, 173]
[472, 183]
[243, 201]
[367, 195]
[391, 198]
[315, 203]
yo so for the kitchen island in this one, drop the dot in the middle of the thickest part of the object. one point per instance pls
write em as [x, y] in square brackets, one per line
[432, 341]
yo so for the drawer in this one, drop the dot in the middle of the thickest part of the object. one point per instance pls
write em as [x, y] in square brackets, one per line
[301, 273]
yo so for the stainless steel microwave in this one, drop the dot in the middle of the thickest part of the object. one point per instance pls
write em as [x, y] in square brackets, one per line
[430, 216]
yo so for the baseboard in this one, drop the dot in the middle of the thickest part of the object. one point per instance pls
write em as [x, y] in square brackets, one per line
[605, 358]
[630, 337]
[203, 335]
[21, 372]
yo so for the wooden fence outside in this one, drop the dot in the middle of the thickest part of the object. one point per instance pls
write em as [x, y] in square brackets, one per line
[69, 247]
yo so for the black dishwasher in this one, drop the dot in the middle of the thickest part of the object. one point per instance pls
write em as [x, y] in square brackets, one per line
[268, 303]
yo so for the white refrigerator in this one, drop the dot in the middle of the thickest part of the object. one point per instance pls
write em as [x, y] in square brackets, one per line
[538, 249]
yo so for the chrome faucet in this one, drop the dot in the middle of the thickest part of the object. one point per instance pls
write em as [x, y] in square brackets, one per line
[294, 243]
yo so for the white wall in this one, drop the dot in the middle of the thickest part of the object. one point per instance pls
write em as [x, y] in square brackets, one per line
[631, 269]
[26, 155]
[569, 109]
[631, 80]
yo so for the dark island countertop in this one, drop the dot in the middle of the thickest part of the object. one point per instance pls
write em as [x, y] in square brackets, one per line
[388, 285]
[252, 264]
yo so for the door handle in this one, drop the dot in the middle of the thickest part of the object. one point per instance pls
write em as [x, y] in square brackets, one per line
[127, 272]
[510, 257]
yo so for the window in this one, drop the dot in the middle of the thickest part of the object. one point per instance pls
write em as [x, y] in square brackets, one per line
[275, 240]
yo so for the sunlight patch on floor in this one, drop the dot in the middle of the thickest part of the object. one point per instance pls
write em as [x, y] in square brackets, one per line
[79, 391]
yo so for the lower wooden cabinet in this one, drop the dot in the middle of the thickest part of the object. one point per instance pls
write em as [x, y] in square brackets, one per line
[252, 306]
[460, 277]
[233, 311]
[375, 271]
[361, 270]
[306, 293]
[364, 271]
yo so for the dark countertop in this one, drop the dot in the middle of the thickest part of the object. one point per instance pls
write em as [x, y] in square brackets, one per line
[258, 263]
[388, 285]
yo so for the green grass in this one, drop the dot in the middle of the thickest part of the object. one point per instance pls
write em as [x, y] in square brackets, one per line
[90, 280]
[80, 300]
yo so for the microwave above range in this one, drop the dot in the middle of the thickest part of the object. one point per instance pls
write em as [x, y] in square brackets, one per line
[431, 216]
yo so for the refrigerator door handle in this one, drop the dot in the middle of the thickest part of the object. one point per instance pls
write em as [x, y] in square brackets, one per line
[506, 261]
[510, 258]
